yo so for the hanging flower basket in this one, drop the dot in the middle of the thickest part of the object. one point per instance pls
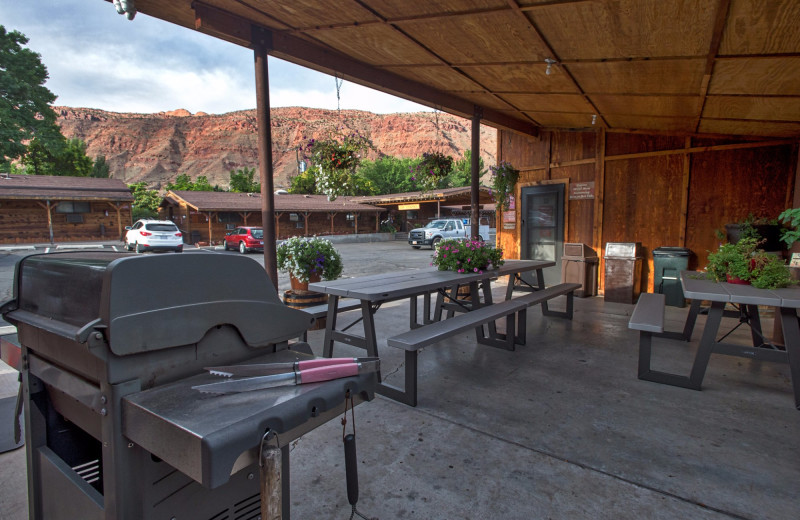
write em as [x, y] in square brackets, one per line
[335, 160]
[432, 170]
[504, 177]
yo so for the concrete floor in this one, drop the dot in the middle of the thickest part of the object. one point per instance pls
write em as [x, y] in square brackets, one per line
[561, 428]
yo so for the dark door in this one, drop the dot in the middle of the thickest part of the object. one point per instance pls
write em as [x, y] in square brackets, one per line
[542, 228]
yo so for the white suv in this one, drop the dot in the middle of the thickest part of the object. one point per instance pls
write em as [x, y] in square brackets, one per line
[153, 235]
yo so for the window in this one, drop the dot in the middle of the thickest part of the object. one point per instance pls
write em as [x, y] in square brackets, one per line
[294, 217]
[227, 217]
[411, 214]
[69, 206]
[74, 218]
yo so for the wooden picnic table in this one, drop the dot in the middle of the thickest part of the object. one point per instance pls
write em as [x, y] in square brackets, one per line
[747, 300]
[374, 290]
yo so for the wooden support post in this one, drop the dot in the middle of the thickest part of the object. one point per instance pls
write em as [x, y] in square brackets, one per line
[262, 42]
[306, 214]
[684, 216]
[355, 222]
[331, 215]
[475, 165]
[278, 216]
[271, 482]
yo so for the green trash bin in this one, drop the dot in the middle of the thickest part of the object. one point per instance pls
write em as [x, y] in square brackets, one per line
[668, 262]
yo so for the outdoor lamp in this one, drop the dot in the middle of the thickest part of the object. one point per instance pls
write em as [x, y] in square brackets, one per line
[126, 7]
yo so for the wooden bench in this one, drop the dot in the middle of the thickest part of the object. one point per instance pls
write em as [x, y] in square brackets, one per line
[513, 310]
[320, 311]
[648, 319]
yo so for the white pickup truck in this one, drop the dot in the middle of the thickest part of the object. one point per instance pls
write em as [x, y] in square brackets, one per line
[441, 228]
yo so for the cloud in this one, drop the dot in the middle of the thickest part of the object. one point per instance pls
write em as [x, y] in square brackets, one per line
[98, 59]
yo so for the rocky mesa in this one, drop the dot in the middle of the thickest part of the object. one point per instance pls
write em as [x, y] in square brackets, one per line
[156, 148]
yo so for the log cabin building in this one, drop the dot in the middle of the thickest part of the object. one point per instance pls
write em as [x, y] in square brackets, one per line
[48, 209]
[205, 216]
[415, 209]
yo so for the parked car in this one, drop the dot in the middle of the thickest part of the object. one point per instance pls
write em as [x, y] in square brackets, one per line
[246, 239]
[153, 235]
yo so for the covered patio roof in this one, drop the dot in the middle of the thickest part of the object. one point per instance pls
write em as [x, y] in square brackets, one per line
[686, 66]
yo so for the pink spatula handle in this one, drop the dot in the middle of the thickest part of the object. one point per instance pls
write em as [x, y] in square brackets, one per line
[325, 362]
[315, 375]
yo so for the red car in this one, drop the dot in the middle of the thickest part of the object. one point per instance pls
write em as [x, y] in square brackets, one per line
[246, 239]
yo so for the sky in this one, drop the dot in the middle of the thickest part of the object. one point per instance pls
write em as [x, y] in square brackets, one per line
[97, 58]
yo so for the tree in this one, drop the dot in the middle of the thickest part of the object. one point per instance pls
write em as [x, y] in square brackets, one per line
[242, 181]
[100, 168]
[462, 171]
[145, 201]
[303, 183]
[184, 183]
[25, 111]
[389, 174]
[72, 160]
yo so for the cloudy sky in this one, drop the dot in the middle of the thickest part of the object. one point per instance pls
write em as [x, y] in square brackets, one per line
[99, 59]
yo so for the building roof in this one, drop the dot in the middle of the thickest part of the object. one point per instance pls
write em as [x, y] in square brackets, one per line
[228, 201]
[419, 196]
[673, 66]
[44, 187]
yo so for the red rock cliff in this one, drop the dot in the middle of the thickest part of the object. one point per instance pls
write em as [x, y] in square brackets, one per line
[156, 148]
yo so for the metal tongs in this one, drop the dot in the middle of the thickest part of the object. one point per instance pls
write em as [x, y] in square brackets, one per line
[269, 375]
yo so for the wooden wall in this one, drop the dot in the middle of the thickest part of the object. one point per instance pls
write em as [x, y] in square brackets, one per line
[25, 222]
[660, 190]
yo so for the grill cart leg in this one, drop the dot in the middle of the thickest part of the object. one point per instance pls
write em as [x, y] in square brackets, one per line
[270, 461]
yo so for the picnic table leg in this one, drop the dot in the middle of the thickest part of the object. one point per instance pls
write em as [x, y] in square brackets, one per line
[791, 338]
[706, 345]
[330, 326]
[691, 319]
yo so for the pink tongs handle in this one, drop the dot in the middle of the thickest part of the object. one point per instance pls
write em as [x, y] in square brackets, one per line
[315, 375]
[324, 362]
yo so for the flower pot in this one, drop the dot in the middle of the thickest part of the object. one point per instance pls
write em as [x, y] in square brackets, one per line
[297, 285]
[738, 281]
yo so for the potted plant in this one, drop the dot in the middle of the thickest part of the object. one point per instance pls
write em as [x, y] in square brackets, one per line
[504, 177]
[790, 217]
[466, 256]
[335, 160]
[766, 231]
[431, 170]
[744, 263]
[308, 260]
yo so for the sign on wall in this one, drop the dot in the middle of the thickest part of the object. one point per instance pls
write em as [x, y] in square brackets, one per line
[581, 190]
[405, 207]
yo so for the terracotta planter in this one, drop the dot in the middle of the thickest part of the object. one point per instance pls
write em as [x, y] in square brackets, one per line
[738, 281]
[297, 285]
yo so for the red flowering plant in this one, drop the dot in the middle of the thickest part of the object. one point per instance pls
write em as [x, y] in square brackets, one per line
[431, 170]
[466, 256]
[335, 159]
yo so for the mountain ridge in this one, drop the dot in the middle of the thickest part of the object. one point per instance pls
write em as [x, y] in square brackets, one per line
[156, 148]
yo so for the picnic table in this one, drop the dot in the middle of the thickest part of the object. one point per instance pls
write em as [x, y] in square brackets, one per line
[374, 290]
[746, 299]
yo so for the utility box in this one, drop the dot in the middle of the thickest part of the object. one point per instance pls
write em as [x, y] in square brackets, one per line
[623, 274]
[579, 265]
[668, 262]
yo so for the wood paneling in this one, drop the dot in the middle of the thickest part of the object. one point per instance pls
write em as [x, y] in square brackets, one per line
[759, 27]
[663, 28]
[727, 186]
[640, 77]
[779, 76]
[659, 190]
[25, 222]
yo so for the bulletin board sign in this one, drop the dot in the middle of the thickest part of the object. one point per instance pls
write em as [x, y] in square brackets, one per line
[581, 190]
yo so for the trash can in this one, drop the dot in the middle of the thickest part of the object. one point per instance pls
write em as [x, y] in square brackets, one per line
[579, 265]
[623, 274]
[668, 262]
[195, 237]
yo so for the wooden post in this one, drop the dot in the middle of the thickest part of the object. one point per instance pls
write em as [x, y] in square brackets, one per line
[271, 482]
[48, 207]
[278, 224]
[684, 216]
[475, 165]
[209, 216]
[355, 221]
[262, 41]
[306, 214]
[331, 215]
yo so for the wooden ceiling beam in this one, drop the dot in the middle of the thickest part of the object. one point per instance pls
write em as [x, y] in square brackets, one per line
[716, 39]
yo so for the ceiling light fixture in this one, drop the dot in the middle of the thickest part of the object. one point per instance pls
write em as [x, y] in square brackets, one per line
[594, 118]
[550, 62]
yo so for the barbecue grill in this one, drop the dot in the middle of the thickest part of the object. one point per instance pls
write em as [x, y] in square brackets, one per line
[112, 344]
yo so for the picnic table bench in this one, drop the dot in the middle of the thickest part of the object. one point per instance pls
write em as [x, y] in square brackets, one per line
[514, 311]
